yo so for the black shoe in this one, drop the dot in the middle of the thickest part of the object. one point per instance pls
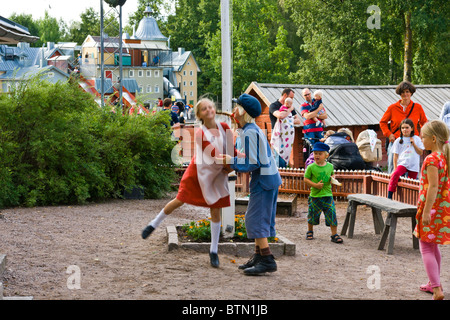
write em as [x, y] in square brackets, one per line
[147, 231]
[214, 258]
[251, 262]
[265, 264]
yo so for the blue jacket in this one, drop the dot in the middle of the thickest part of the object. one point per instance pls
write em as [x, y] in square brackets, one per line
[258, 159]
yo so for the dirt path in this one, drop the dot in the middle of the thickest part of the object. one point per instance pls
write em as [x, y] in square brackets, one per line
[103, 242]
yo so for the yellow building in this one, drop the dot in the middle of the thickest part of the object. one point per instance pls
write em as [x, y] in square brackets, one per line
[151, 70]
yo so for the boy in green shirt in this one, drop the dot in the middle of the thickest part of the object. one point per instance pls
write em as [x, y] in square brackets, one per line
[318, 176]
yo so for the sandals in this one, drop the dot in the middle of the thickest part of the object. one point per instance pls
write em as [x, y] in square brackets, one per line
[336, 239]
[427, 288]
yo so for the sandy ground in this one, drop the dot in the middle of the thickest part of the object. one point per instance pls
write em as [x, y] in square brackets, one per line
[47, 247]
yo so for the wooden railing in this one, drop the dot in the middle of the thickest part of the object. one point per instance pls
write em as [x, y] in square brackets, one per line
[360, 181]
[368, 182]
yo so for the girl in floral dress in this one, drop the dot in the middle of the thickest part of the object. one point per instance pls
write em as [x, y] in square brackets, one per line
[433, 208]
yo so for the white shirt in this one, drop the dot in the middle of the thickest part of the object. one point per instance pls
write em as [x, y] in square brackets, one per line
[407, 155]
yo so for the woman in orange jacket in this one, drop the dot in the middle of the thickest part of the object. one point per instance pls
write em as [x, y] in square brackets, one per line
[397, 112]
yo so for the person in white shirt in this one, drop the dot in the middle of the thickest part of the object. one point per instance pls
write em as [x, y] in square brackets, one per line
[407, 150]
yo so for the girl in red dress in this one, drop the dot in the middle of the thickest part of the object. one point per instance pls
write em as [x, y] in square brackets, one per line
[204, 182]
[433, 207]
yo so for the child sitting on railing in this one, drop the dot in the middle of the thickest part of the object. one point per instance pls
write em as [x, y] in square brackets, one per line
[407, 150]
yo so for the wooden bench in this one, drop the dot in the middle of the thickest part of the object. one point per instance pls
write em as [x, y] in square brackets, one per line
[394, 209]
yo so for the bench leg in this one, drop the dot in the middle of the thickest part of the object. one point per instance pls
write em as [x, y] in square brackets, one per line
[354, 206]
[384, 237]
[377, 220]
[392, 234]
[347, 219]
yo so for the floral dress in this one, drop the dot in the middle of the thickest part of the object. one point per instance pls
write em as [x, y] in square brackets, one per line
[283, 135]
[438, 231]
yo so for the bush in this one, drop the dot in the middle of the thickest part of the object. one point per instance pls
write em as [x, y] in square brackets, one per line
[58, 147]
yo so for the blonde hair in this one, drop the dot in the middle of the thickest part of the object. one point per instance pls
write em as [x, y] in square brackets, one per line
[318, 93]
[290, 100]
[440, 130]
[199, 104]
[247, 117]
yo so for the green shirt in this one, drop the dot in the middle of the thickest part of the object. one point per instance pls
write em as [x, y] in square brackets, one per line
[315, 173]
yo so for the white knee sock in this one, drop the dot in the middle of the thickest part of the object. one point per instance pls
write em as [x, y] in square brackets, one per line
[158, 219]
[215, 235]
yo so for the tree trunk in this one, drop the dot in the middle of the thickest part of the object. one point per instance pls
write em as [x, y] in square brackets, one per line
[407, 69]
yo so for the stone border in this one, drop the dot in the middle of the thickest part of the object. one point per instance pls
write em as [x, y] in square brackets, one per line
[239, 249]
[2, 269]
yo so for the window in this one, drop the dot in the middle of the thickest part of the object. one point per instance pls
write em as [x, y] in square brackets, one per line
[141, 89]
[149, 73]
[156, 73]
[184, 83]
[156, 88]
[184, 72]
[191, 73]
[192, 93]
[131, 73]
[140, 73]
[191, 83]
[149, 88]
[51, 74]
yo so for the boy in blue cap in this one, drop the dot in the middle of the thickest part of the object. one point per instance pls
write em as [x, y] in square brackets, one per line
[319, 176]
[265, 180]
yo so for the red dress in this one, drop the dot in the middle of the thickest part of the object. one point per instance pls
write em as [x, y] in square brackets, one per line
[438, 231]
[205, 183]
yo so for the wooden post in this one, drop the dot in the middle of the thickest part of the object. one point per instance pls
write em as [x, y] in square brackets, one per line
[227, 214]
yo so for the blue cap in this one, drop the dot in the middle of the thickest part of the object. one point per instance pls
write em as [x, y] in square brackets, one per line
[320, 146]
[250, 104]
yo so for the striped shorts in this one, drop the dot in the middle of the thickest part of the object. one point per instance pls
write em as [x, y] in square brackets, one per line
[315, 208]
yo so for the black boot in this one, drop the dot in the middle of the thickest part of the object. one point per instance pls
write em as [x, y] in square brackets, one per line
[251, 262]
[147, 231]
[265, 264]
[214, 259]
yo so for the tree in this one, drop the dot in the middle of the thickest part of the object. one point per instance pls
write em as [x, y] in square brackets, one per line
[412, 43]
[261, 49]
[49, 29]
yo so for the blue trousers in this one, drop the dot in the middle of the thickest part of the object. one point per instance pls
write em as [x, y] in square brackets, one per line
[261, 212]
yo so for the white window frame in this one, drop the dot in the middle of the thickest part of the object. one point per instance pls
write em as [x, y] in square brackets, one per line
[131, 73]
[149, 73]
[140, 73]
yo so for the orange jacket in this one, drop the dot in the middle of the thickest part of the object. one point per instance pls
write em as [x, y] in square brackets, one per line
[395, 115]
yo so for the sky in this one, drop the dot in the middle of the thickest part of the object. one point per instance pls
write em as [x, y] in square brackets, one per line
[67, 10]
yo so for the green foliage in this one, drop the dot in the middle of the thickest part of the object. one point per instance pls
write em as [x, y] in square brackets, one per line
[58, 147]
[201, 230]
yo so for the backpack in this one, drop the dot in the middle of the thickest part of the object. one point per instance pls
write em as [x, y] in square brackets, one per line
[369, 146]
[346, 156]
